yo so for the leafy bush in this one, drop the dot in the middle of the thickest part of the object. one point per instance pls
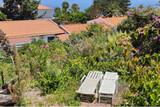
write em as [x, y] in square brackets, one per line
[6, 68]
[137, 17]
[48, 80]
[144, 67]
[144, 83]
[2, 16]
[147, 40]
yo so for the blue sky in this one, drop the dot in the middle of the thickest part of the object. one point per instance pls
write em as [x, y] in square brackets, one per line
[144, 2]
[86, 3]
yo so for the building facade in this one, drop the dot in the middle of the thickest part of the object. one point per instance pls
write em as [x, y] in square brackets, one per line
[45, 12]
[26, 31]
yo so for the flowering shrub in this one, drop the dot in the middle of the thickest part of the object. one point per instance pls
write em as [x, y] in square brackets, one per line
[137, 17]
[147, 40]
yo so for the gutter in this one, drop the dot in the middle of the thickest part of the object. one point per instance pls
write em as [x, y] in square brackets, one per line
[62, 27]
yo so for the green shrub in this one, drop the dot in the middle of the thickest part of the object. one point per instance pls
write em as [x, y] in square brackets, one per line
[137, 17]
[144, 85]
[47, 82]
[2, 16]
[147, 40]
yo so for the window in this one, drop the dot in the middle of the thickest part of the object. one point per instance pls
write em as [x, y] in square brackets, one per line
[51, 38]
[34, 39]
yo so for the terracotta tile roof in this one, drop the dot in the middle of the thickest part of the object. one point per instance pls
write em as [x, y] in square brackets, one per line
[75, 28]
[108, 22]
[115, 21]
[101, 21]
[63, 37]
[29, 28]
[42, 7]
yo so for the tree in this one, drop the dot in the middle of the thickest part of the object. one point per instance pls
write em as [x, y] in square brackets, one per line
[65, 6]
[75, 8]
[58, 11]
[93, 11]
[28, 9]
[124, 4]
[75, 15]
[109, 7]
[69, 15]
[20, 9]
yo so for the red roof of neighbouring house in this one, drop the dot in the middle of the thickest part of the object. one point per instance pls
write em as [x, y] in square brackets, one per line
[63, 37]
[42, 7]
[29, 28]
[75, 28]
[115, 21]
[106, 22]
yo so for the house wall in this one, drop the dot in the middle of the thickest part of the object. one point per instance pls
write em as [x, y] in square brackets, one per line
[22, 41]
[48, 13]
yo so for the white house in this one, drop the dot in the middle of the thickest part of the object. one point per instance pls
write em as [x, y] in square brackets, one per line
[25, 31]
[45, 12]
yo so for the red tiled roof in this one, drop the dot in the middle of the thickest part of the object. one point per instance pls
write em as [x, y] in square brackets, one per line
[42, 7]
[63, 37]
[75, 28]
[108, 22]
[29, 28]
[115, 21]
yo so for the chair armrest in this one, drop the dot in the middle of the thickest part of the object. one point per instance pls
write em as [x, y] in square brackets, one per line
[83, 78]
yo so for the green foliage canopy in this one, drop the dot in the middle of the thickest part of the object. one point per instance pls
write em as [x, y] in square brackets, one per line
[137, 17]
[67, 15]
[20, 9]
[108, 8]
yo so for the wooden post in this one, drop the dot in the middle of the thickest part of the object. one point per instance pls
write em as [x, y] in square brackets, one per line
[2, 77]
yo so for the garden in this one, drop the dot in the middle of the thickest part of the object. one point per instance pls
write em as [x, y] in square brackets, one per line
[57, 67]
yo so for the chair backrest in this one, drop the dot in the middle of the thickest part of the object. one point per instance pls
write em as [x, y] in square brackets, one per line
[90, 83]
[95, 75]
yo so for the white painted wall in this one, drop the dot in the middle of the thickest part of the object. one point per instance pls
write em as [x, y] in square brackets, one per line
[48, 13]
[22, 41]
[44, 38]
